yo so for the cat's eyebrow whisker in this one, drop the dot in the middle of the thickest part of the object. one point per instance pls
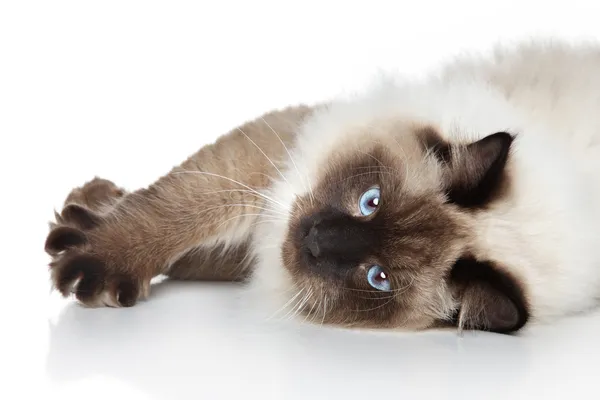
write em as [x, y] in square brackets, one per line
[407, 171]
[236, 182]
[373, 157]
[362, 174]
[374, 169]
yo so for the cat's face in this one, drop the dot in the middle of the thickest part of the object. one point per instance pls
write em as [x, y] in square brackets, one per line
[383, 238]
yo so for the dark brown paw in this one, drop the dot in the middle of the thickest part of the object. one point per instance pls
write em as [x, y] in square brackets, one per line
[77, 269]
[94, 283]
[84, 205]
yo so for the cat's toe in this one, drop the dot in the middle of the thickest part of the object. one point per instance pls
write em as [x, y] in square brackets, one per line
[93, 283]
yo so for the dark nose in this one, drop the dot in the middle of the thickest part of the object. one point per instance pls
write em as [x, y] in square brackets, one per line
[312, 242]
[336, 238]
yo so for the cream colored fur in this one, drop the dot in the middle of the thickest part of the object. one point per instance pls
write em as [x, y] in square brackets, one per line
[547, 232]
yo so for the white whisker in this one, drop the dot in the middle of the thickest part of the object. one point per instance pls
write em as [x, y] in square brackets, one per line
[287, 151]
[238, 216]
[363, 174]
[266, 156]
[291, 311]
[236, 182]
[286, 304]
[324, 309]
[243, 206]
[299, 308]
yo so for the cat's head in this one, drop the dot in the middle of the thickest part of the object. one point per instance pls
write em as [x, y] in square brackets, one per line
[383, 235]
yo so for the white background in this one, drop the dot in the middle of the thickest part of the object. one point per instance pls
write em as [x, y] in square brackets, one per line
[126, 90]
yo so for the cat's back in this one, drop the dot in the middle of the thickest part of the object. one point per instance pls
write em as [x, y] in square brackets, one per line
[554, 84]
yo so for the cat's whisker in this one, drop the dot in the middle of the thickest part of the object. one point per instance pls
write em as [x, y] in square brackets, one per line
[310, 311]
[267, 157]
[374, 169]
[315, 317]
[266, 209]
[264, 221]
[252, 192]
[324, 304]
[377, 291]
[374, 158]
[298, 309]
[290, 314]
[287, 151]
[239, 216]
[236, 182]
[375, 308]
[407, 170]
[308, 181]
[362, 174]
[286, 304]
[269, 177]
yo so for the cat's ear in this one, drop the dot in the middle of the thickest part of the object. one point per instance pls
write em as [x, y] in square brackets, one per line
[474, 172]
[490, 299]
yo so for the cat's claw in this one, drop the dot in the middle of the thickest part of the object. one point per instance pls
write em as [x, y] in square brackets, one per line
[91, 280]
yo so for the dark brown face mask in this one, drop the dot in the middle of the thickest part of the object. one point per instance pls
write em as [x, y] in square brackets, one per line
[401, 260]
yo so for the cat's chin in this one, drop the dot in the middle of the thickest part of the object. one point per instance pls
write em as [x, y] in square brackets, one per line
[270, 284]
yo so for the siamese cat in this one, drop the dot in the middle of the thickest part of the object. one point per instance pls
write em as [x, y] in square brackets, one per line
[468, 199]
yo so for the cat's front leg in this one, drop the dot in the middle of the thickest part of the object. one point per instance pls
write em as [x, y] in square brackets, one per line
[213, 197]
[109, 259]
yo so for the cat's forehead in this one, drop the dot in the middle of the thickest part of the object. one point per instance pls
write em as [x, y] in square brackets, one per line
[396, 154]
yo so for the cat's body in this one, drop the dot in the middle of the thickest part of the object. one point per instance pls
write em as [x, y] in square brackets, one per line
[487, 237]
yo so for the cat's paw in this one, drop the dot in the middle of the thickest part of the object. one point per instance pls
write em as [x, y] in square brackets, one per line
[84, 202]
[82, 266]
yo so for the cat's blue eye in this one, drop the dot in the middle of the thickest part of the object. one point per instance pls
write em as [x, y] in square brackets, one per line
[369, 201]
[378, 278]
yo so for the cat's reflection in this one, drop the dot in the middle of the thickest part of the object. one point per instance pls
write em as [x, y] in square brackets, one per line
[196, 340]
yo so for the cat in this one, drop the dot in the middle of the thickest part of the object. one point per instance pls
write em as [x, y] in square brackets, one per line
[469, 199]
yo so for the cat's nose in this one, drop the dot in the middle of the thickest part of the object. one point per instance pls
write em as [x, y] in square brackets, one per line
[312, 243]
[335, 239]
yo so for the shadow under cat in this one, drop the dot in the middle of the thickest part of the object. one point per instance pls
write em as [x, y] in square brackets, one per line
[193, 337]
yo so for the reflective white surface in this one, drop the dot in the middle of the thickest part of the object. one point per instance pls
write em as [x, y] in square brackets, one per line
[126, 90]
[194, 340]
